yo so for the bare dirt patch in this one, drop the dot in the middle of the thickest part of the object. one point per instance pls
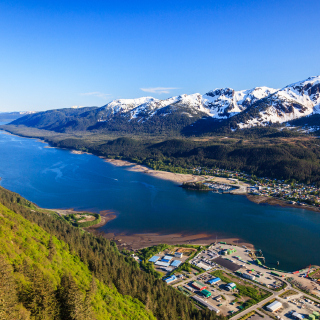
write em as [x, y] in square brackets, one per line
[87, 218]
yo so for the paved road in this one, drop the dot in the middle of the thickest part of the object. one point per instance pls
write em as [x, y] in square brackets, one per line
[256, 306]
[275, 294]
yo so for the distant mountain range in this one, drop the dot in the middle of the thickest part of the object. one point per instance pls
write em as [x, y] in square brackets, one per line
[10, 116]
[194, 114]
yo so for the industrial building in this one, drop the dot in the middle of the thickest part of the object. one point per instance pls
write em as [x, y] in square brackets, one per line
[231, 286]
[274, 306]
[249, 276]
[162, 263]
[206, 293]
[169, 258]
[168, 269]
[154, 259]
[297, 316]
[178, 254]
[204, 303]
[176, 263]
[203, 266]
[189, 288]
[170, 279]
[198, 285]
[165, 260]
[228, 251]
[214, 281]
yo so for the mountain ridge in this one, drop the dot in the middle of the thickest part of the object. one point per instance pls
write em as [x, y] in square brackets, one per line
[221, 107]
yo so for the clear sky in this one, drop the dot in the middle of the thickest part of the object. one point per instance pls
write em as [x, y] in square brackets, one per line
[57, 54]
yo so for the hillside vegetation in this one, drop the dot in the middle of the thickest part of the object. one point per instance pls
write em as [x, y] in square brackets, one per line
[52, 270]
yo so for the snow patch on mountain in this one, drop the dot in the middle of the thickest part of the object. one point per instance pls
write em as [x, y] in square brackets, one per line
[294, 101]
[225, 102]
[124, 105]
[279, 105]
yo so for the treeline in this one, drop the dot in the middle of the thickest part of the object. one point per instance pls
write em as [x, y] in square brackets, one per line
[280, 160]
[109, 266]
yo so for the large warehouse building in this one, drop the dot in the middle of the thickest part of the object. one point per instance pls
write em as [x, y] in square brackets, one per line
[274, 306]
[198, 285]
[214, 281]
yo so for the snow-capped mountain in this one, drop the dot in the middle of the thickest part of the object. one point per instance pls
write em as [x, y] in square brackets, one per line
[294, 101]
[218, 103]
[224, 103]
[193, 113]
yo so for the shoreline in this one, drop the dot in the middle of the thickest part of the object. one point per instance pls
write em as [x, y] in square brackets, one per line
[139, 241]
[177, 178]
[263, 200]
[106, 216]
[164, 175]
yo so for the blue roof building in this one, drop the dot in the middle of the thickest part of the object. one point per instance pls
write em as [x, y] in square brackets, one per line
[214, 280]
[170, 279]
[167, 258]
[162, 264]
[176, 263]
[154, 259]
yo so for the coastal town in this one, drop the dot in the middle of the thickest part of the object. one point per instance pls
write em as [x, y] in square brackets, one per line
[232, 281]
[291, 191]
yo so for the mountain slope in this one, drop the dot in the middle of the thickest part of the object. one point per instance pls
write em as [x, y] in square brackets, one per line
[61, 270]
[227, 108]
[294, 101]
[38, 263]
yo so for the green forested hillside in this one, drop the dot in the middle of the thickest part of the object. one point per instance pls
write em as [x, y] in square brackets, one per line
[274, 157]
[264, 152]
[43, 280]
[52, 270]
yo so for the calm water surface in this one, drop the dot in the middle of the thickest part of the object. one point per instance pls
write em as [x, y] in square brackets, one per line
[54, 178]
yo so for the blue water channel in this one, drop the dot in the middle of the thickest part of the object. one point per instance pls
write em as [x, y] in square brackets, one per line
[54, 178]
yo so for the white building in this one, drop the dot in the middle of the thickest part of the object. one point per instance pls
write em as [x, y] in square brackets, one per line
[297, 316]
[178, 254]
[249, 276]
[274, 306]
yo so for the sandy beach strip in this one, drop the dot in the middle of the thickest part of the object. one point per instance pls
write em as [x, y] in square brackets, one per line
[174, 177]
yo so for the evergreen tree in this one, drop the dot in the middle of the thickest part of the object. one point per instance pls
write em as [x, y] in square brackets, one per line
[71, 299]
[8, 294]
[39, 297]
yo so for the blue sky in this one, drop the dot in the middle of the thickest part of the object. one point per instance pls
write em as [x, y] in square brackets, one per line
[56, 54]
